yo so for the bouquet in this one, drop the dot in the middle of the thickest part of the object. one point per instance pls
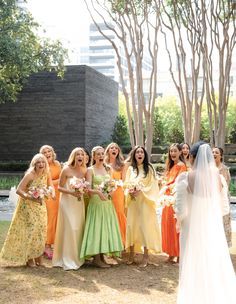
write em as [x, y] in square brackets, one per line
[107, 187]
[132, 187]
[40, 193]
[162, 181]
[167, 200]
[79, 185]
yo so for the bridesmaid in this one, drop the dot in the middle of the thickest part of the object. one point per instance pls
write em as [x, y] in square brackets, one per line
[185, 149]
[52, 204]
[170, 237]
[102, 233]
[218, 155]
[115, 159]
[71, 216]
[143, 233]
[25, 241]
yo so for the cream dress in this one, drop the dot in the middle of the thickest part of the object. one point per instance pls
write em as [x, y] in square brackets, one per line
[142, 225]
[69, 233]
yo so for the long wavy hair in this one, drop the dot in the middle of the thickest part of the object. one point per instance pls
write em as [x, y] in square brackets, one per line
[34, 161]
[71, 159]
[119, 161]
[169, 162]
[146, 165]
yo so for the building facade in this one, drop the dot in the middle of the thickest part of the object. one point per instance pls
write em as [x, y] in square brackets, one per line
[79, 110]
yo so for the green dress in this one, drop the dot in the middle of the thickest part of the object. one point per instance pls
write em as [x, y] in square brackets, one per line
[27, 234]
[102, 232]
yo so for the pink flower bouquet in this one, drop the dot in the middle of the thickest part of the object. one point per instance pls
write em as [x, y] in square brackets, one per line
[79, 185]
[107, 187]
[40, 193]
[132, 187]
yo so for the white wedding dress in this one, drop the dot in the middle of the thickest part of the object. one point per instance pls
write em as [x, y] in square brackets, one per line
[206, 272]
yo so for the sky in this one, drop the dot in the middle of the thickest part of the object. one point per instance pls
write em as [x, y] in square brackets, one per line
[66, 20]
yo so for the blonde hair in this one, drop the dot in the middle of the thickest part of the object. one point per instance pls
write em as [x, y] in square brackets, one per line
[119, 161]
[34, 161]
[54, 156]
[94, 150]
[71, 159]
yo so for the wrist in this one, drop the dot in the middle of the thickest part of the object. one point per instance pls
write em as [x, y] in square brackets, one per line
[25, 195]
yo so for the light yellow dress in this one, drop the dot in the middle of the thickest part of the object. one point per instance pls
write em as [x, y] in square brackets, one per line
[28, 230]
[69, 233]
[142, 228]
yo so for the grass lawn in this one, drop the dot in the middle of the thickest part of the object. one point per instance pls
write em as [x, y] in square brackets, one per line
[117, 285]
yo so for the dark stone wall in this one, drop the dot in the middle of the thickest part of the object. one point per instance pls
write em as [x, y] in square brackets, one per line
[79, 110]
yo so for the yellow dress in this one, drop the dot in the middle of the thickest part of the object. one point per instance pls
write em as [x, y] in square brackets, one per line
[28, 230]
[142, 228]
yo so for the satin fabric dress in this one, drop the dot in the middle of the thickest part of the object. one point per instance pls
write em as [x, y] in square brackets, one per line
[142, 226]
[118, 199]
[69, 233]
[206, 273]
[102, 231]
[53, 204]
[170, 238]
[27, 234]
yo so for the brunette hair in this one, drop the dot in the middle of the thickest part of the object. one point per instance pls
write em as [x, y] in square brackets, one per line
[146, 165]
[169, 162]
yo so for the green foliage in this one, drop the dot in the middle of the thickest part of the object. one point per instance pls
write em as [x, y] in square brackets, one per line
[19, 166]
[230, 121]
[205, 129]
[125, 7]
[120, 133]
[168, 126]
[232, 187]
[122, 105]
[6, 182]
[22, 51]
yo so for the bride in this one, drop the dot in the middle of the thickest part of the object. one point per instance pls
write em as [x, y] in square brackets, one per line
[206, 272]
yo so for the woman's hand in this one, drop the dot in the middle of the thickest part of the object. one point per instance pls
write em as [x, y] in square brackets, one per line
[76, 194]
[103, 196]
[135, 193]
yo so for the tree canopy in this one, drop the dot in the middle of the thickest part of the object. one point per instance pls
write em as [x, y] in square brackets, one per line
[23, 51]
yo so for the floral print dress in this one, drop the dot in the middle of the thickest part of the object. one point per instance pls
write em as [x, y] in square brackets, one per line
[28, 230]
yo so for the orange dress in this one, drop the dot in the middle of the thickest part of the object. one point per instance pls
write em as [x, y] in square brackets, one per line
[170, 238]
[118, 200]
[53, 204]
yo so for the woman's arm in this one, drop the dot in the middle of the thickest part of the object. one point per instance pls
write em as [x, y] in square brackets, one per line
[22, 188]
[180, 202]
